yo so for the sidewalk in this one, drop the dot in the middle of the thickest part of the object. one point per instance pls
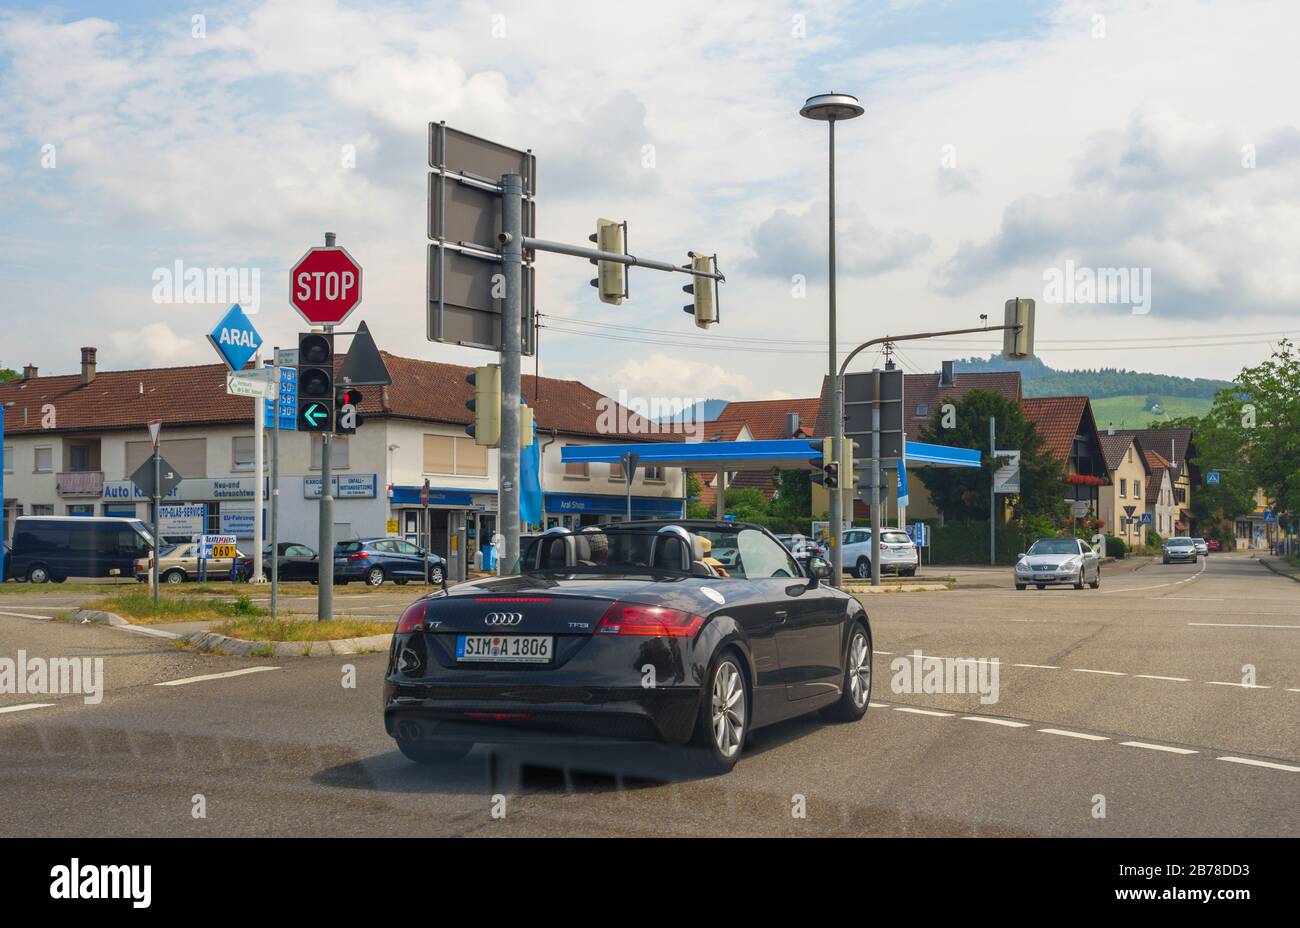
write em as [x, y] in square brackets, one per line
[1279, 566]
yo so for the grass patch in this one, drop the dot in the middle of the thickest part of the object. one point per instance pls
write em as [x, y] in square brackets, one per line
[139, 608]
[254, 629]
[1293, 560]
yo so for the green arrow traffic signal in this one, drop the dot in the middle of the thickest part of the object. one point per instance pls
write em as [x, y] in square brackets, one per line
[315, 417]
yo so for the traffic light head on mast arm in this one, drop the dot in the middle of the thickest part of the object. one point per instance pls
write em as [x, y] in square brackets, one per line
[611, 277]
[486, 406]
[830, 466]
[316, 382]
[703, 289]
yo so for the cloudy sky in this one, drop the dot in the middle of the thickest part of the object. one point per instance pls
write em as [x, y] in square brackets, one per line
[1003, 142]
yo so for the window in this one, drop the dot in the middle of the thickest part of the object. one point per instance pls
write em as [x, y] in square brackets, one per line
[1123, 488]
[82, 510]
[654, 473]
[760, 556]
[42, 509]
[922, 410]
[448, 454]
[9, 459]
[44, 462]
[616, 471]
[243, 451]
[338, 452]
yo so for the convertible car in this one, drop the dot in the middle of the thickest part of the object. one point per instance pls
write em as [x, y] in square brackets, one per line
[624, 633]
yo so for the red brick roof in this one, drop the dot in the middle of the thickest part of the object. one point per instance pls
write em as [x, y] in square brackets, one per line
[196, 396]
[1058, 419]
[766, 418]
[924, 390]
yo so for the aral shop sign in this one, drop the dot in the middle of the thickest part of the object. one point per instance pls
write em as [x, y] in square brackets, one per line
[191, 488]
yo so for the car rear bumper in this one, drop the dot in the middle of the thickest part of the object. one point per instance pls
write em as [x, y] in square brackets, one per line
[502, 713]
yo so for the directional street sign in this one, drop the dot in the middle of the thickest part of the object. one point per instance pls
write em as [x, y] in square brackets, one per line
[235, 338]
[325, 285]
[287, 401]
[1006, 479]
[313, 416]
[1212, 478]
[143, 478]
[255, 383]
[364, 366]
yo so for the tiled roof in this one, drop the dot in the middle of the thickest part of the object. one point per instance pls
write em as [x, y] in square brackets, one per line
[1058, 420]
[924, 390]
[1160, 440]
[766, 418]
[1114, 447]
[1157, 465]
[196, 396]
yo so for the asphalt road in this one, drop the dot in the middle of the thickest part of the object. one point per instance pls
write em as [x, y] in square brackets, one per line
[1127, 701]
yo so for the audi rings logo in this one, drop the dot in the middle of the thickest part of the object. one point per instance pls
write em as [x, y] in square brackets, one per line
[503, 618]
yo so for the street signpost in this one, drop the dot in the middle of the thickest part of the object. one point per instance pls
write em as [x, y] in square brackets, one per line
[873, 419]
[630, 460]
[235, 338]
[1212, 478]
[364, 366]
[255, 383]
[325, 285]
[156, 479]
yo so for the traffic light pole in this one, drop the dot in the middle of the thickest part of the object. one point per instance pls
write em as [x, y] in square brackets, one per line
[325, 576]
[512, 258]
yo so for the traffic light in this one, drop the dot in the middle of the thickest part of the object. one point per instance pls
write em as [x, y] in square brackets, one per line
[348, 401]
[704, 308]
[315, 382]
[525, 425]
[1018, 343]
[830, 467]
[611, 277]
[486, 406]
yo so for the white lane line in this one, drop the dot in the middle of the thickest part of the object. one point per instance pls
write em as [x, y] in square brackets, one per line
[1293, 690]
[1073, 734]
[1260, 763]
[1152, 676]
[882, 652]
[878, 705]
[1139, 589]
[984, 718]
[1037, 666]
[1109, 673]
[1188, 599]
[23, 615]
[215, 676]
[1244, 686]
[1157, 747]
[1236, 625]
[924, 711]
[25, 706]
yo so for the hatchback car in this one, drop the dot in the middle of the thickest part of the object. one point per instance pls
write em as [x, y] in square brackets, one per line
[1179, 549]
[1057, 562]
[1202, 546]
[627, 634]
[374, 560]
[897, 553]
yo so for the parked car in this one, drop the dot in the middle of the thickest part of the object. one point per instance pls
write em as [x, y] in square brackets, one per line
[179, 563]
[55, 548]
[1058, 561]
[559, 653]
[1179, 549]
[1214, 545]
[802, 548]
[374, 560]
[1202, 546]
[297, 562]
[897, 553]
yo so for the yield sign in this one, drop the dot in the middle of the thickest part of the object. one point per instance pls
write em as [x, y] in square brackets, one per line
[325, 285]
[155, 429]
[235, 338]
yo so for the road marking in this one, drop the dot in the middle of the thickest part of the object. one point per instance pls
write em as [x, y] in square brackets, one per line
[215, 676]
[878, 705]
[1260, 763]
[1188, 599]
[1037, 666]
[1157, 747]
[1292, 690]
[884, 652]
[1152, 676]
[1139, 589]
[923, 711]
[1244, 686]
[1073, 734]
[25, 706]
[1109, 673]
[146, 630]
[22, 615]
[1237, 625]
[984, 718]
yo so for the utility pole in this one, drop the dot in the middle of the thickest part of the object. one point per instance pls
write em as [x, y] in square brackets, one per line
[157, 504]
[275, 487]
[259, 467]
[512, 259]
[875, 478]
[325, 594]
[993, 496]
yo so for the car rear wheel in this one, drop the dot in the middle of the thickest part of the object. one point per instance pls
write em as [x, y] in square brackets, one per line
[38, 574]
[375, 576]
[435, 575]
[723, 722]
[855, 691]
[174, 576]
[1041, 586]
[1020, 586]
[434, 752]
[862, 570]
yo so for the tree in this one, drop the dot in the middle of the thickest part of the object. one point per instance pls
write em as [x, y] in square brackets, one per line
[7, 374]
[963, 493]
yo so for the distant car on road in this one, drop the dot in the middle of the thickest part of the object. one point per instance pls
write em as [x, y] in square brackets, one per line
[1202, 546]
[179, 563]
[297, 562]
[1058, 561]
[1179, 549]
[374, 560]
[1214, 544]
[897, 553]
[802, 548]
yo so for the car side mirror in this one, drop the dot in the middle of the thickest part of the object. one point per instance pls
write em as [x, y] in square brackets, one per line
[818, 570]
[1020, 555]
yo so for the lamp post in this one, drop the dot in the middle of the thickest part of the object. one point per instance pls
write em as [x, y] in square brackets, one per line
[831, 108]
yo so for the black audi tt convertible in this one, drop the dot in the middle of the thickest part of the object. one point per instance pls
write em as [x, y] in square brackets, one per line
[632, 631]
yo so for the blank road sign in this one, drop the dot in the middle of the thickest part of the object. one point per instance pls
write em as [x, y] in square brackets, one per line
[462, 153]
[857, 413]
[465, 300]
[461, 213]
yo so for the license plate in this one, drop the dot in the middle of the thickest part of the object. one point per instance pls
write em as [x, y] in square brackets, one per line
[527, 649]
[1044, 576]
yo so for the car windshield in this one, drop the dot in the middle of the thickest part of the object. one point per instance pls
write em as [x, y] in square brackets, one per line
[1181, 542]
[167, 550]
[1055, 546]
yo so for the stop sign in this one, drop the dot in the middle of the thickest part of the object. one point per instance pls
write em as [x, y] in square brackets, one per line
[325, 285]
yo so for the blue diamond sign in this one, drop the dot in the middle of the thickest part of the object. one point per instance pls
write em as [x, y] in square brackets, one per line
[235, 339]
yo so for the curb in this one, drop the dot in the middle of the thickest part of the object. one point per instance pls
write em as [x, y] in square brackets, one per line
[1280, 573]
[97, 618]
[242, 647]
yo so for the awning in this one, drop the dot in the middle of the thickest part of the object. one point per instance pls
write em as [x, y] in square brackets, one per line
[786, 454]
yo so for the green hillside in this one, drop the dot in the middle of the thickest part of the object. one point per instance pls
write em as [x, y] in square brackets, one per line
[1129, 412]
[1037, 379]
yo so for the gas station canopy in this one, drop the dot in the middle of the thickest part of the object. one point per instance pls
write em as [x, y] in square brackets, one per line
[786, 454]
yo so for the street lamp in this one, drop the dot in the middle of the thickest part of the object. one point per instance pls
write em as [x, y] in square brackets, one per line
[831, 108]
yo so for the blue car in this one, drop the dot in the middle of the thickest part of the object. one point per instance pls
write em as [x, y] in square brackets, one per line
[374, 560]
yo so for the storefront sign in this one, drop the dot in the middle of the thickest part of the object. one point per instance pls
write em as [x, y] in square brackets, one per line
[185, 520]
[344, 486]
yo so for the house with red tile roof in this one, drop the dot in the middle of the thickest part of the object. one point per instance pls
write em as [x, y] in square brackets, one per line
[1070, 436]
[72, 441]
[1123, 500]
[1161, 500]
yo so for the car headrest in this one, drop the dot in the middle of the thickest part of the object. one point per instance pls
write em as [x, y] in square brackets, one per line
[581, 549]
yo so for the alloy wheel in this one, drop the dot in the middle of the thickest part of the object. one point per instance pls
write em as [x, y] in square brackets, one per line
[375, 577]
[728, 709]
[859, 669]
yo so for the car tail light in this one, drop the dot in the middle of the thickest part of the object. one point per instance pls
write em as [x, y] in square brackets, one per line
[653, 621]
[412, 619]
[359, 556]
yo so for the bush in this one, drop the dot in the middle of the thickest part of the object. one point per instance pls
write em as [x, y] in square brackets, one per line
[1116, 547]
